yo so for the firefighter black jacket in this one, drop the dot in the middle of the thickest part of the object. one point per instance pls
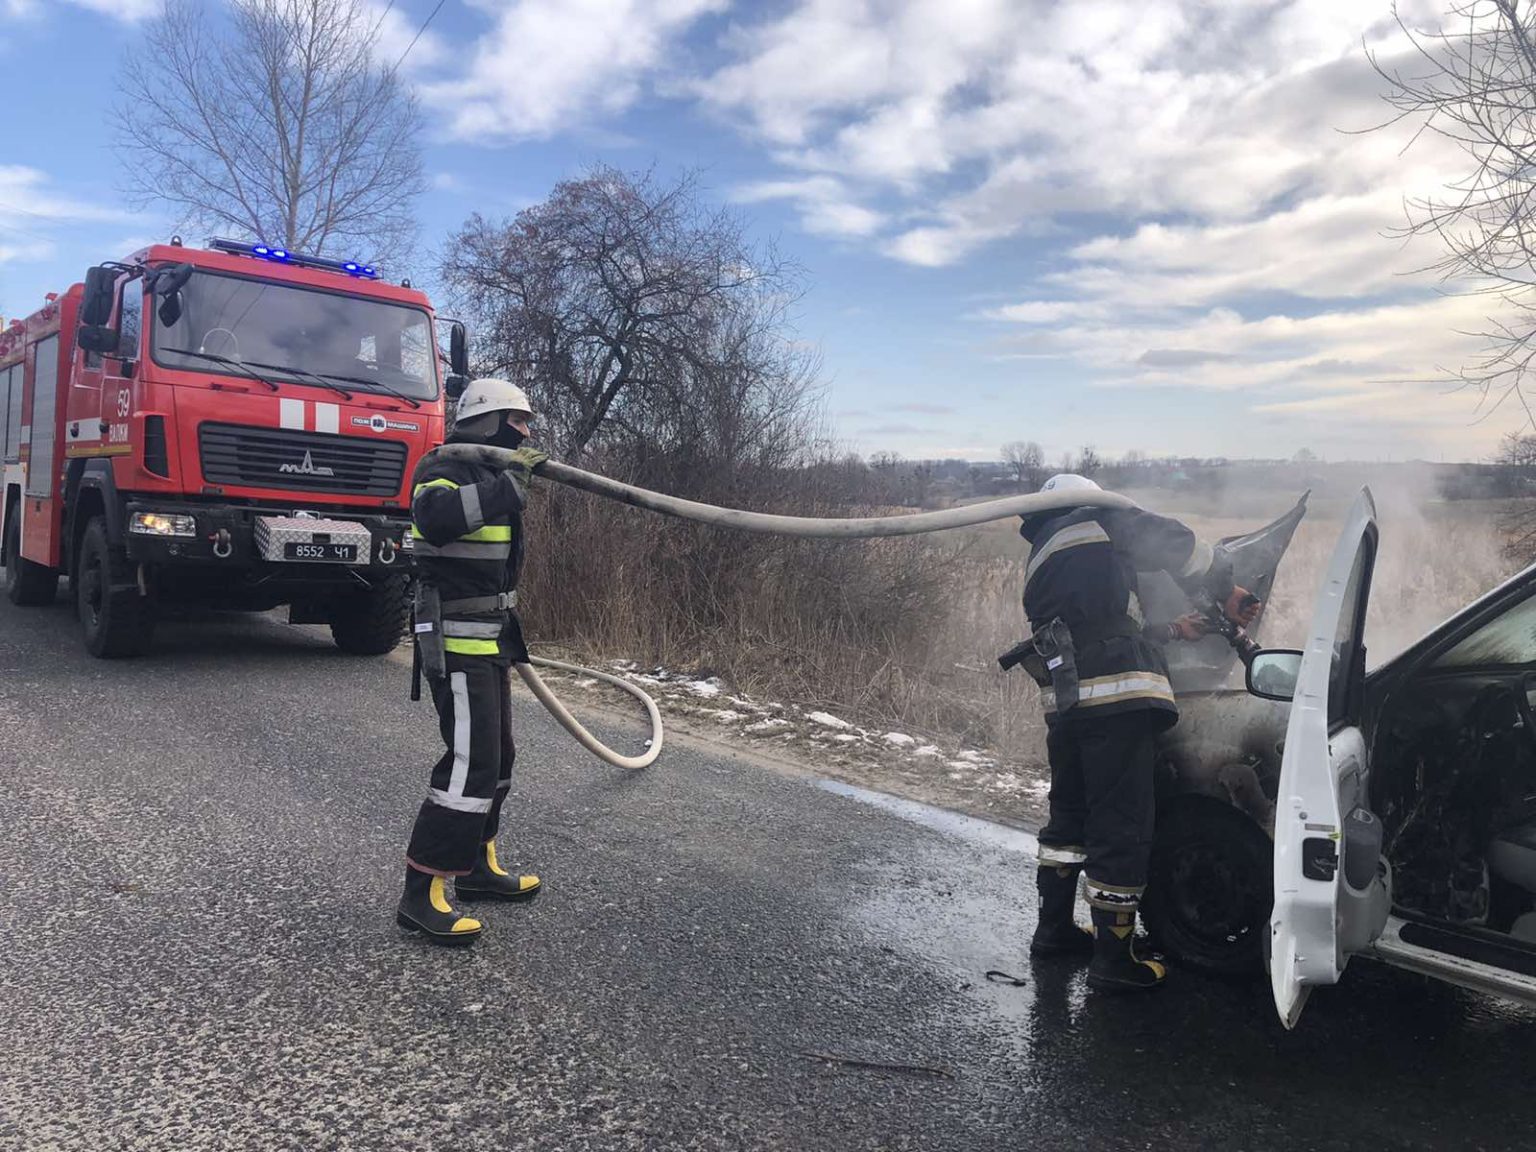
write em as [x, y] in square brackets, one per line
[467, 536]
[1082, 571]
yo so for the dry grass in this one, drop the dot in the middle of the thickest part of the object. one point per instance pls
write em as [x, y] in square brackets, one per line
[904, 633]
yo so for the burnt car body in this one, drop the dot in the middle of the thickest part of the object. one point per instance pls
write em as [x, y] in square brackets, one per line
[1328, 810]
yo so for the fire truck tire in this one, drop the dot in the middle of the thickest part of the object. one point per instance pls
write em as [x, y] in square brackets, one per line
[27, 585]
[116, 622]
[372, 621]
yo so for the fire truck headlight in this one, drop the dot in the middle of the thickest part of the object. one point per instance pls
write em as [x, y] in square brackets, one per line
[161, 524]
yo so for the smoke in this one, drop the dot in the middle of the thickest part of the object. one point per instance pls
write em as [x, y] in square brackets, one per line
[1435, 558]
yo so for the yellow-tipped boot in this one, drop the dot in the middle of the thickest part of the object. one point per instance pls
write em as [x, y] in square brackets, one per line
[424, 908]
[1115, 966]
[488, 880]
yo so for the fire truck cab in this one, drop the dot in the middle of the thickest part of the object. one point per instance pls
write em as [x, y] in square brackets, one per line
[227, 427]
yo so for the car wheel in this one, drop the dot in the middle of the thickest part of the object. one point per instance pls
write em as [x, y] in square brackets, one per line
[1210, 886]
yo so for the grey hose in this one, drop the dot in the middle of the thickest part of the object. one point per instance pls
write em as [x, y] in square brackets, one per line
[845, 528]
[572, 725]
[838, 528]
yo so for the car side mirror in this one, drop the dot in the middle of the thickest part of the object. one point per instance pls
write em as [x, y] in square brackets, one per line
[1273, 672]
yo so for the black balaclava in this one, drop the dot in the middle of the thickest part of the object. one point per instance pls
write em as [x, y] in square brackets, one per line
[506, 436]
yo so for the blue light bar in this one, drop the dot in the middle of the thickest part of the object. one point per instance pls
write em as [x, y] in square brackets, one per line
[283, 256]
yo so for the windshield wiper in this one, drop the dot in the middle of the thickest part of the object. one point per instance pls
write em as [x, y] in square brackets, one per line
[379, 384]
[316, 377]
[217, 359]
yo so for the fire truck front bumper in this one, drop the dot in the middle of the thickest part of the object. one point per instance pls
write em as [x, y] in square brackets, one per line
[234, 536]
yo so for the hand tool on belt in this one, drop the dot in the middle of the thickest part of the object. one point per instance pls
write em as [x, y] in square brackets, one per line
[1050, 655]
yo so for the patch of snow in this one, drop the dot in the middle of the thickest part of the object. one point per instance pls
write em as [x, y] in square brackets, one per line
[898, 740]
[707, 688]
[963, 765]
[724, 715]
[587, 682]
[846, 738]
[767, 725]
[827, 720]
[623, 665]
[927, 750]
[972, 757]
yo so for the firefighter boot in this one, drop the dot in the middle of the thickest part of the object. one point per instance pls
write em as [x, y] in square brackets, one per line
[1056, 933]
[487, 880]
[424, 908]
[1115, 967]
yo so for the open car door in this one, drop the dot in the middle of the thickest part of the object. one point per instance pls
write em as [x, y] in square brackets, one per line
[1332, 886]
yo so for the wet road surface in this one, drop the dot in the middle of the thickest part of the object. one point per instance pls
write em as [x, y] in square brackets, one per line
[202, 851]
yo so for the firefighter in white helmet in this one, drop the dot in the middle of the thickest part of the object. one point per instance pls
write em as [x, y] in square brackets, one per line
[1104, 685]
[466, 530]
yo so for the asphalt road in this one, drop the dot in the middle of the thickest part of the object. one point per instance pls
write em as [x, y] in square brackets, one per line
[201, 855]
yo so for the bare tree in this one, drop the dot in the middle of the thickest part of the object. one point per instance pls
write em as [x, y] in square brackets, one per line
[634, 312]
[289, 129]
[1515, 476]
[1473, 82]
[1088, 462]
[1027, 461]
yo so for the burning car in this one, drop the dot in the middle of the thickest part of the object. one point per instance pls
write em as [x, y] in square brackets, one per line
[1327, 811]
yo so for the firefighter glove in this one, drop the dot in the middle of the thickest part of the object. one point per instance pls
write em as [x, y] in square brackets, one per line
[524, 460]
[1191, 627]
[1242, 607]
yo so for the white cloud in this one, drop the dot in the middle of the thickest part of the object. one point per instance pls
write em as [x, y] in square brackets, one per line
[551, 65]
[826, 206]
[129, 10]
[396, 31]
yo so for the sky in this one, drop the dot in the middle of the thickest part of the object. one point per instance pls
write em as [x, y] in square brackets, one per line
[1154, 225]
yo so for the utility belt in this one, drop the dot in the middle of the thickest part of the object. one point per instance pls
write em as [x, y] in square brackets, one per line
[1050, 655]
[432, 625]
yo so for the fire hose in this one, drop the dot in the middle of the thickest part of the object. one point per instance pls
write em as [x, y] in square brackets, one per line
[844, 528]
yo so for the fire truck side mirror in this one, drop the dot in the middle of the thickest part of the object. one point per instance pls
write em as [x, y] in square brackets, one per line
[458, 350]
[167, 284]
[96, 310]
[100, 292]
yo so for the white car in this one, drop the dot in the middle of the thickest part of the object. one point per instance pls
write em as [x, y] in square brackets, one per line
[1405, 812]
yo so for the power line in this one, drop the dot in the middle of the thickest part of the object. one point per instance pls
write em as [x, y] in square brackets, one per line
[419, 33]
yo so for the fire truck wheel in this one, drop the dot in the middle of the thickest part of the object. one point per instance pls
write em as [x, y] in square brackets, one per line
[372, 621]
[27, 585]
[116, 619]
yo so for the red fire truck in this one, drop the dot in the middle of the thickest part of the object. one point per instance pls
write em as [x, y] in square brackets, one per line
[228, 427]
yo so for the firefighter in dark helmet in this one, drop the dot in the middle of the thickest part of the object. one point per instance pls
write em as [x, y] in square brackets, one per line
[1106, 696]
[467, 537]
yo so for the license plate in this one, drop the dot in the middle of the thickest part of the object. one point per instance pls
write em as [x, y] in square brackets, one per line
[325, 553]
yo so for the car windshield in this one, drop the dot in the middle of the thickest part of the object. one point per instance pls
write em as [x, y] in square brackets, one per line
[292, 332]
[1508, 639]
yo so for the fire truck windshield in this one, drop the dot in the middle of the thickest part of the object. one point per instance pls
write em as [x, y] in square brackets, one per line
[298, 334]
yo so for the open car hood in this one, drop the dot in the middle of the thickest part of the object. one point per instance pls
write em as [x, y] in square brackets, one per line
[1208, 664]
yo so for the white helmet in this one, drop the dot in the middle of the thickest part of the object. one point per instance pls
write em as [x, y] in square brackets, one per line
[491, 395]
[1069, 482]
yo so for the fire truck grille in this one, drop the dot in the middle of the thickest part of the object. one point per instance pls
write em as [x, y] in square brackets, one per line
[300, 461]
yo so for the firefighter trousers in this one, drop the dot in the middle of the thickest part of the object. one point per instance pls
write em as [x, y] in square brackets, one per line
[1101, 803]
[469, 782]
